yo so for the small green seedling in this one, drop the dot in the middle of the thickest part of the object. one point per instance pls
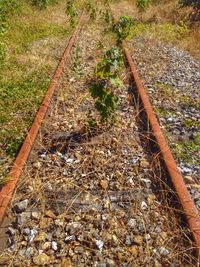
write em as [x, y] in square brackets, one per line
[122, 28]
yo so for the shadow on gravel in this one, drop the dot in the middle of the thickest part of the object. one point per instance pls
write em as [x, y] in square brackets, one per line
[62, 141]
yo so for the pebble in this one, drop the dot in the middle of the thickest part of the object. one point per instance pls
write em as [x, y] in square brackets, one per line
[36, 215]
[32, 234]
[146, 182]
[54, 245]
[104, 184]
[21, 206]
[50, 214]
[41, 259]
[138, 240]
[79, 250]
[134, 250]
[70, 238]
[26, 231]
[40, 237]
[100, 244]
[22, 218]
[29, 252]
[163, 251]
[132, 223]
[11, 231]
[47, 246]
[144, 205]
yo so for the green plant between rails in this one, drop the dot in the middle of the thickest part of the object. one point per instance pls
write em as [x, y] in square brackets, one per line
[101, 88]
[122, 28]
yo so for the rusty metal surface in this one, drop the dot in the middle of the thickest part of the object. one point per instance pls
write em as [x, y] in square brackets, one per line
[7, 191]
[186, 201]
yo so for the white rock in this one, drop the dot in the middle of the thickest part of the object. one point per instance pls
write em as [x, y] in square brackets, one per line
[54, 245]
[163, 251]
[99, 244]
[32, 235]
[70, 161]
[144, 205]
[132, 223]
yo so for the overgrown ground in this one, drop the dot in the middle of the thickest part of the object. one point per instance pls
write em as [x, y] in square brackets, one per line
[32, 41]
[92, 199]
[164, 20]
[171, 76]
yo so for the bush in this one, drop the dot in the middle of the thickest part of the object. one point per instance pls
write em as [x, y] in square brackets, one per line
[122, 28]
[194, 3]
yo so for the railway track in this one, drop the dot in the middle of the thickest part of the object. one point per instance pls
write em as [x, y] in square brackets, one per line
[104, 200]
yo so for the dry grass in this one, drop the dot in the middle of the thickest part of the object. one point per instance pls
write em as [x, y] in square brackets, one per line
[168, 12]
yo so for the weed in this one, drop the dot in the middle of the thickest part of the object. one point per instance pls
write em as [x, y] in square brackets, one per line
[107, 16]
[76, 65]
[105, 101]
[72, 13]
[91, 9]
[142, 5]
[101, 88]
[110, 66]
[122, 28]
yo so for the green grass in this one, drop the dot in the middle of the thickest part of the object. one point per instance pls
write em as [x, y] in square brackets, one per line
[187, 149]
[24, 81]
[167, 32]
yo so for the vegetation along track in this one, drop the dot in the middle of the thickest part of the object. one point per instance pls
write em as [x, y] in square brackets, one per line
[91, 195]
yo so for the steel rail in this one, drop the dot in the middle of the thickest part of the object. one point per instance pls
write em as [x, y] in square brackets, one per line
[7, 191]
[189, 208]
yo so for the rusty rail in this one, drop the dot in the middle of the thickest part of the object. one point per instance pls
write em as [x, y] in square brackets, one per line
[189, 208]
[7, 191]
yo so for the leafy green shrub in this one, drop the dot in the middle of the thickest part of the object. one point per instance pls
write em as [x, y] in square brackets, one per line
[194, 3]
[101, 88]
[142, 5]
[122, 28]
[110, 66]
[72, 13]
[105, 101]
